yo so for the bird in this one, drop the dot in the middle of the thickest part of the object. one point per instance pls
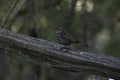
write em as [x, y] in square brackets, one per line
[65, 38]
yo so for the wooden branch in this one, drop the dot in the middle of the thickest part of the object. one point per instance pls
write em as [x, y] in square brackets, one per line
[44, 52]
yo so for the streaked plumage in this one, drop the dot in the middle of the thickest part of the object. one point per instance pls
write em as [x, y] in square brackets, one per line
[65, 38]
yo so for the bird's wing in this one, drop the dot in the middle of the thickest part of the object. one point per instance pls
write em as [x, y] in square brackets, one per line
[69, 37]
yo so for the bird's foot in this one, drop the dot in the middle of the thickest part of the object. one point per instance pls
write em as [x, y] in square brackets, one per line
[65, 48]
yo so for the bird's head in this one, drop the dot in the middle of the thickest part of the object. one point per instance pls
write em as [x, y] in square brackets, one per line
[58, 29]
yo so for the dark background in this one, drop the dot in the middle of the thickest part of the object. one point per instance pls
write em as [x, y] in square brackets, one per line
[95, 22]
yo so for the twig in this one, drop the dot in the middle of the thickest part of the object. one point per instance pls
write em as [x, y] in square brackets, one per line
[11, 14]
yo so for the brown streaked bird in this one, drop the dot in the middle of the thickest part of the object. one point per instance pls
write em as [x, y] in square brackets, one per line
[65, 38]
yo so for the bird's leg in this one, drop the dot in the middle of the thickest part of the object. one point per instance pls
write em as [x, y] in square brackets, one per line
[65, 48]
